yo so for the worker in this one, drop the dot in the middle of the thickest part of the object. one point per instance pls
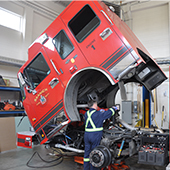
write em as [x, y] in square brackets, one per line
[94, 129]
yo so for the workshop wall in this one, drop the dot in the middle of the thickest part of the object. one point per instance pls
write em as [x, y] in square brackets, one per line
[150, 22]
[153, 22]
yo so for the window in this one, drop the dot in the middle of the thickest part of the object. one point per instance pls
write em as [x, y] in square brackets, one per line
[62, 44]
[10, 19]
[36, 71]
[83, 23]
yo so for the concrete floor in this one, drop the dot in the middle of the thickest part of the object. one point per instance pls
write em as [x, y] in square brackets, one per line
[18, 158]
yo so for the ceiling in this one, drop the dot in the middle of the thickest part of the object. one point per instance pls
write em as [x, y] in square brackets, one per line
[64, 3]
[115, 4]
[123, 2]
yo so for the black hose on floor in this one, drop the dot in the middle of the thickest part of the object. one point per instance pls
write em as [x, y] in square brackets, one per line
[59, 160]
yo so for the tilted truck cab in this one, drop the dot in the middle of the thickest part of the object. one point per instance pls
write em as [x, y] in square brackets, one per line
[87, 52]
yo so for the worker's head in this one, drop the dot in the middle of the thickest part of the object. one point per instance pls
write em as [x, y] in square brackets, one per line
[92, 104]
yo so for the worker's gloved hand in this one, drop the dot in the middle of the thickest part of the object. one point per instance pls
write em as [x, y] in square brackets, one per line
[115, 108]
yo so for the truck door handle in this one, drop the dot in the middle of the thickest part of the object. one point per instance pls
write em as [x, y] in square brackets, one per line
[54, 81]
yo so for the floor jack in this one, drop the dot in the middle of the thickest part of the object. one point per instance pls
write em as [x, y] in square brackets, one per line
[117, 166]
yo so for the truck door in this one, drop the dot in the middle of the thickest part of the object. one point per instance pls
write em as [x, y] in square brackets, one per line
[96, 37]
[45, 94]
[66, 55]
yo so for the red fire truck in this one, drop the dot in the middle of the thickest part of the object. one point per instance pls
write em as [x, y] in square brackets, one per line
[87, 52]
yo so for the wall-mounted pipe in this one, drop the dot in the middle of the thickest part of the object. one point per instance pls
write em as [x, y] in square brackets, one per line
[11, 62]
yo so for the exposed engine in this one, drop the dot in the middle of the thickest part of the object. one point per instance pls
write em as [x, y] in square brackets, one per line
[120, 140]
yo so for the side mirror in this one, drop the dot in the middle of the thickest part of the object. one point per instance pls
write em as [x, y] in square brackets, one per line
[21, 79]
[25, 83]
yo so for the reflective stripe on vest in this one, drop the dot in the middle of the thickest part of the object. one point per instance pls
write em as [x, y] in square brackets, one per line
[86, 159]
[89, 119]
[113, 112]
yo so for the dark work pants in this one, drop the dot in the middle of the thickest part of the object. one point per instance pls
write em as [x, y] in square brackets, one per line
[91, 140]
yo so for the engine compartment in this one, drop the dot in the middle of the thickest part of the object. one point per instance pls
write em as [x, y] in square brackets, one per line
[120, 140]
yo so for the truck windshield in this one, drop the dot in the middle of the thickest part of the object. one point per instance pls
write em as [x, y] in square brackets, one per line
[83, 23]
[36, 71]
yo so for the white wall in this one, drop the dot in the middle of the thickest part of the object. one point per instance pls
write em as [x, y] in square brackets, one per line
[150, 22]
[151, 25]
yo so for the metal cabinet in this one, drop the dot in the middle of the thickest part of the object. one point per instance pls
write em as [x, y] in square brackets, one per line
[12, 94]
[127, 111]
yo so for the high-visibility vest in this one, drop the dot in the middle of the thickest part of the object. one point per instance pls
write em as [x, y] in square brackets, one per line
[89, 119]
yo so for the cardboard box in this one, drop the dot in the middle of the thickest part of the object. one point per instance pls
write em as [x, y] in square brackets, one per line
[7, 134]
